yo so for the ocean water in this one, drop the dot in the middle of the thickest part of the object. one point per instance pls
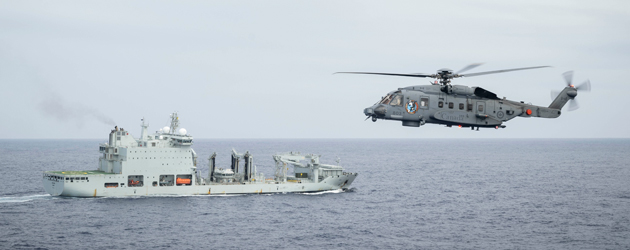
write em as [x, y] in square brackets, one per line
[410, 194]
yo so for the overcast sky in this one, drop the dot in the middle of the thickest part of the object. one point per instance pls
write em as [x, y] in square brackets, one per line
[264, 69]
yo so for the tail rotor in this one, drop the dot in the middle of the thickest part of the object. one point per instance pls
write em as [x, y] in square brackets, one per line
[572, 93]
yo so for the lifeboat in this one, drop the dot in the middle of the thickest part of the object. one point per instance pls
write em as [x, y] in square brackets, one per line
[181, 181]
[133, 183]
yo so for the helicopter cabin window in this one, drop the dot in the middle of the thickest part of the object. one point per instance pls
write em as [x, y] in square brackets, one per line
[469, 107]
[424, 102]
[480, 108]
[440, 104]
[450, 105]
[396, 101]
[461, 106]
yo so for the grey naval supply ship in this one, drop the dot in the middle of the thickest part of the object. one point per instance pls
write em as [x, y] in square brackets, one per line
[164, 163]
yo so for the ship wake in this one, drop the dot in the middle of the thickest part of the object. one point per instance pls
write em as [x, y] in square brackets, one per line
[13, 199]
[326, 192]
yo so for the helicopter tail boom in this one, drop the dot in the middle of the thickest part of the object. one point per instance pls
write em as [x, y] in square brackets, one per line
[567, 94]
[528, 110]
[538, 111]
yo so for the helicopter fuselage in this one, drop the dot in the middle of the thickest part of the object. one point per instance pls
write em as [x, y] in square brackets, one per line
[455, 105]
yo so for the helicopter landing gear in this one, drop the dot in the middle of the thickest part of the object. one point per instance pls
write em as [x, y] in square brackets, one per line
[373, 119]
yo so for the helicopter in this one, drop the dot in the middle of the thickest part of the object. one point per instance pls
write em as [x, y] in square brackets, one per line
[463, 106]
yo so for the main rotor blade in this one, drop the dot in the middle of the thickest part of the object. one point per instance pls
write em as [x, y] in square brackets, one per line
[500, 71]
[386, 74]
[568, 77]
[573, 105]
[469, 67]
[585, 86]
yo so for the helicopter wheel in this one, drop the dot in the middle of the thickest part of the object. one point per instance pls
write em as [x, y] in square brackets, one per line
[373, 119]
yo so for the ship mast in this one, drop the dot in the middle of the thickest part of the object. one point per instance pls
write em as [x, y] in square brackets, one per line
[174, 123]
[145, 131]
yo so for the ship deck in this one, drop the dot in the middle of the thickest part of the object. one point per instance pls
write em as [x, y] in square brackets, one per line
[84, 172]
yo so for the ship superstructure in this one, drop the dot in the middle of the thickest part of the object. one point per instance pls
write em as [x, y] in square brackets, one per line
[164, 163]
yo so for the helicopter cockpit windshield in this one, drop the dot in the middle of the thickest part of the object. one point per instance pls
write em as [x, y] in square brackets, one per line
[394, 99]
[386, 99]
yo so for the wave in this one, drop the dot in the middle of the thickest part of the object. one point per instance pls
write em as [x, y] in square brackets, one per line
[336, 191]
[12, 199]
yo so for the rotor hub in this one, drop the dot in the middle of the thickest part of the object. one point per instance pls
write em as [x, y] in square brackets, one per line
[445, 71]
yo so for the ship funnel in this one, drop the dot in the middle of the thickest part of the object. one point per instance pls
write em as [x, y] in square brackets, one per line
[111, 138]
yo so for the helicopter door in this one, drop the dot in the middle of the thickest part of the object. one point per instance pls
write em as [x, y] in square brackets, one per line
[481, 107]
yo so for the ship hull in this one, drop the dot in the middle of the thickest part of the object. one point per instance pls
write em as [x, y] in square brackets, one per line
[96, 187]
[53, 186]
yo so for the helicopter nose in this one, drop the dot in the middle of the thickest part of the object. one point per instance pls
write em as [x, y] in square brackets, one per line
[380, 110]
[368, 111]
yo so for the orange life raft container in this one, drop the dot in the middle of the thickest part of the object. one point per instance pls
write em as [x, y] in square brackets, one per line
[182, 181]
